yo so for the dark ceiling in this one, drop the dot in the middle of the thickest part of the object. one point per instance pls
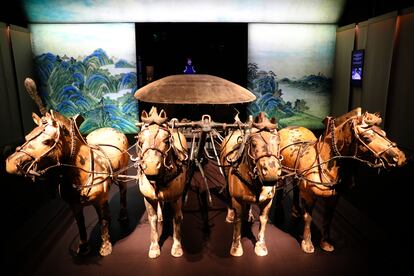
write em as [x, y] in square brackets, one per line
[354, 11]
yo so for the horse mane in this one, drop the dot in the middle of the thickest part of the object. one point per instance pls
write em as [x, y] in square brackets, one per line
[154, 117]
[353, 113]
[263, 123]
[66, 122]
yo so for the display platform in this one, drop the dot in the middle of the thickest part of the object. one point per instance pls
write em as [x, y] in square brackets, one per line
[206, 251]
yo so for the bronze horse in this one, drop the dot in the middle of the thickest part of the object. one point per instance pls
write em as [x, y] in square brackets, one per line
[315, 163]
[162, 172]
[252, 168]
[87, 167]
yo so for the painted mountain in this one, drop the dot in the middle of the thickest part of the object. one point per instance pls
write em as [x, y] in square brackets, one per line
[96, 87]
[290, 72]
[271, 98]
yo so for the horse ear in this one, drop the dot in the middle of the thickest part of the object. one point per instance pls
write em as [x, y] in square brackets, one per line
[163, 114]
[144, 114]
[36, 119]
[326, 120]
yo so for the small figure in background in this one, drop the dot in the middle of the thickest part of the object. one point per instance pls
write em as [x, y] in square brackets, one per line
[189, 68]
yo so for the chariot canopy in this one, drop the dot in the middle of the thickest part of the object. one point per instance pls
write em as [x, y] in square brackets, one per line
[194, 89]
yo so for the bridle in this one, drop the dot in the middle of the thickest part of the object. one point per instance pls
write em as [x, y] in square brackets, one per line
[357, 136]
[32, 168]
[268, 153]
[155, 146]
[253, 161]
[330, 132]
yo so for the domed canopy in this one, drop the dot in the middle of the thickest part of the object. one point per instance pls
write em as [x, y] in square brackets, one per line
[194, 89]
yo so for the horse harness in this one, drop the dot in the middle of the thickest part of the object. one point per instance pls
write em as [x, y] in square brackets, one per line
[254, 180]
[32, 169]
[336, 152]
[174, 167]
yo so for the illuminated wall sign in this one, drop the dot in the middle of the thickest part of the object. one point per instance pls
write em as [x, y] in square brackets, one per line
[88, 69]
[277, 11]
[290, 71]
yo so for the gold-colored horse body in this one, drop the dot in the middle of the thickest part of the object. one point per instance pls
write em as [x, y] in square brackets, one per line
[252, 168]
[162, 155]
[316, 162]
[87, 167]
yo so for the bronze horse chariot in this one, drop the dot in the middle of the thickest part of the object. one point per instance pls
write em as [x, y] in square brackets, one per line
[316, 163]
[87, 167]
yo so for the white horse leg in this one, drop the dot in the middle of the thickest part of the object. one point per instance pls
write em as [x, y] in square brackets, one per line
[308, 204]
[176, 249]
[159, 212]
[104, 220]
[236, 246]
[260, 248]
[151, 206]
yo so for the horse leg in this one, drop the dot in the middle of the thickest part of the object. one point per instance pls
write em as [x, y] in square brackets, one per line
[230, 215]
[104, 220]
[236, 246]
[83, 248]
[159, 213]
[123, 212]
[296, 210]
[250, 216]
[260, 248]
[176, 249]
[151, 206]
[308, 203]
[329, 204]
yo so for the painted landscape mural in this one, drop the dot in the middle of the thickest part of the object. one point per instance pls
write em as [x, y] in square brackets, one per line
[290, 72]
[88, 69]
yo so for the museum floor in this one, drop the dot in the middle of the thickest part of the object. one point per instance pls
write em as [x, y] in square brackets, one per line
[362, 247]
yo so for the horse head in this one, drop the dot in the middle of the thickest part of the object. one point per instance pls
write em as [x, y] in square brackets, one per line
[155, 143]
[45, 146]
[374, 143]
[263, 150]
[371, 142]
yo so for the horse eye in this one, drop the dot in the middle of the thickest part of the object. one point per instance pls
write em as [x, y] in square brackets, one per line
[48, 142]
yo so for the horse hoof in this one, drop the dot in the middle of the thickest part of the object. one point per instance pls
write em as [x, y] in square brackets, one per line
[307, 247]
[326, 246]
[154, 251]
[106, 249]
[177, 251]
[260, 249]
[83, 249]
[236, 251]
